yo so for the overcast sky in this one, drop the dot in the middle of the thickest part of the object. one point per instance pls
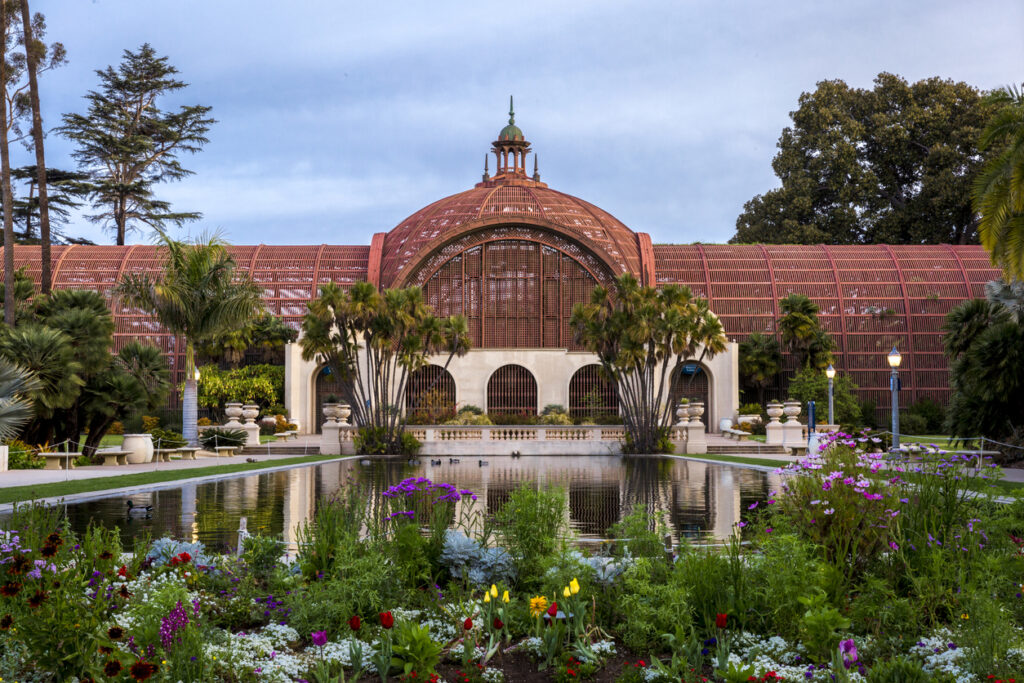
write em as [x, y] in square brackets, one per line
[338, 119]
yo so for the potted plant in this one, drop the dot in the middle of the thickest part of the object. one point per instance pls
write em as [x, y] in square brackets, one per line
[749, 413]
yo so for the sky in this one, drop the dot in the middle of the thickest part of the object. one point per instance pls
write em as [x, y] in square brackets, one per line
[336, 120]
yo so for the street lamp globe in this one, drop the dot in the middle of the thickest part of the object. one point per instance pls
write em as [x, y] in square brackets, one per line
[830, 371]
[894, 358]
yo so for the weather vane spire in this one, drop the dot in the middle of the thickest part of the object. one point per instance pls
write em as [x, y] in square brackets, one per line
[511, 111]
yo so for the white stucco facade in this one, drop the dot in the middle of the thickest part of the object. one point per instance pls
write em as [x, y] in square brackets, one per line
[551, 368]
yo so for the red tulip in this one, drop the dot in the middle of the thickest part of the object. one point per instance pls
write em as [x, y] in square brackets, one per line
[721, 620]
[467, 624]
[498, 624]
[354, 623]
[553, 610]
[386, 620]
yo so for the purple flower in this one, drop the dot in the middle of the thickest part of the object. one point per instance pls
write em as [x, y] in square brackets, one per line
[319, 638]
[849, 650]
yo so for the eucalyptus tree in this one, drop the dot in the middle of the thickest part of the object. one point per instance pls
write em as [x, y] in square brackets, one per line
[642, 336]
[199, 296]
[999, 189]
[373, 342]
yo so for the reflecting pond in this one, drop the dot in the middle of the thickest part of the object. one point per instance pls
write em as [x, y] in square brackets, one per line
[696, 500]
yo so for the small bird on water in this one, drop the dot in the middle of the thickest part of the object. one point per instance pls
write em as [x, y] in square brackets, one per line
[142, 510]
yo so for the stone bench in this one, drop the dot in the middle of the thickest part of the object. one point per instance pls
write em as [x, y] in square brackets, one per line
[290, 434]
[225, 451]
[163, 454]
[113, 457]
[737, 434]
[60, 461]
[188, 452]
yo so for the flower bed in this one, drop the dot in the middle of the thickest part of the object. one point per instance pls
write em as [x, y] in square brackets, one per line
[860, 568]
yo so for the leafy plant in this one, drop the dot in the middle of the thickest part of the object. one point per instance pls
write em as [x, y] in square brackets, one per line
[414, 650]
[165, 438]
[530, 525]
[218, 436]
[821, 625]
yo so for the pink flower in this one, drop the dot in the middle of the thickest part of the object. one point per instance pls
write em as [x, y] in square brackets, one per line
[319, 638]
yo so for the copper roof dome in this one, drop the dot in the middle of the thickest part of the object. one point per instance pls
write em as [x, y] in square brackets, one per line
[511, 197]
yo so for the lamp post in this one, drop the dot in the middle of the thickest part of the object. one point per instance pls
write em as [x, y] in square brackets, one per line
[830, 372]
[894, 358]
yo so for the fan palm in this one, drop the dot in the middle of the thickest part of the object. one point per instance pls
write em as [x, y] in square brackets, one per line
[760, 362]
[16, 386]
[968, 320]
[998, 191]
[199, 296]
[802, 333]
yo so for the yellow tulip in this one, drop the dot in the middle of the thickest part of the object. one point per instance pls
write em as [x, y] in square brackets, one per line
[487, 597]
[494, 591]
[566, 592]
[504, 596]
[574, 585]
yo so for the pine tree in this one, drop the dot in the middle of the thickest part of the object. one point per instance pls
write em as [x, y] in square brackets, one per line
[128, 144]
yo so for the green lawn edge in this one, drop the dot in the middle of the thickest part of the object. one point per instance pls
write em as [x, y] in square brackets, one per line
[17, 494]
[742, 460]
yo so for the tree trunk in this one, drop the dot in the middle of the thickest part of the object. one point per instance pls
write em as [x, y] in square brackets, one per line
[37, 135]
[190, 400]
[5, 181]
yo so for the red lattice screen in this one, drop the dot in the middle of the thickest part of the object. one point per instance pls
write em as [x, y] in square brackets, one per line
[431, 388]
[591, 394]
[512, 390]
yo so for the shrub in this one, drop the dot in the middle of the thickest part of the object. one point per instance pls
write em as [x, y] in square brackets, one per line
[164, 438]
[116, 428]
[933, 414]
[466, 559]
[21, 456]
[469, 418]
[414, 651]
[554, 418]
[373, 441]
[750, 409]
[531, 525]
[149, 423]
[898, 670]
[261, 554]
[470, 408]
[204, 422]
[649, 606]
[553, 408]
[513, 418]
[218, 436]
[913, 424]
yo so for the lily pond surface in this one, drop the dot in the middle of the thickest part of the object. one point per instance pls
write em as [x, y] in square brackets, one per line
[697, 501]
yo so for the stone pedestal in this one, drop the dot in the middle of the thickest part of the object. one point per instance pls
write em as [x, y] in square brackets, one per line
[252, 429]
[773, 430]
[696, 439]
[330, 441]
[3, 458]
[792, 430]
[233, 412]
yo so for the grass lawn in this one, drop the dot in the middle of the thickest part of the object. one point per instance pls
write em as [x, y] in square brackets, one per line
[767, 462]
[65, 488]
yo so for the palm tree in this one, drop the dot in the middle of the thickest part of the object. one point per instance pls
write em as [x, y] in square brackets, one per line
[199, 296]
[760, 362]
[16, 385]
[801, 332]
[998, 191]
[968, 320]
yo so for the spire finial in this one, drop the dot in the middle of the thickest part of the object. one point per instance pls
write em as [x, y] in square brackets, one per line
[511, 111]
[536, 173]
[487, 175]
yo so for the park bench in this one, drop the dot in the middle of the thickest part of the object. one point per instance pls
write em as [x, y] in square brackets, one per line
[188, 452]
[290, 434]
[737, 434]
[225, 451]
[163, 454]
[114, 456]
[60, 461]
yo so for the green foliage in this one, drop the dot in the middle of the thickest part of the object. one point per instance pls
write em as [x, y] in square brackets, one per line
[373, 341]
[931, 412]
[889, 165]
[266, 335]
[913, 424]
[414, 650]
[21, 456]
[998, 190]
[16, 383]
[165, 438]
[638, 536]
[898, 670]
[261, 554]
[116, 139]
[750, 409]
[821, 626]
[375, 441]
[642, 337]
[531, 525]
[149, 423]
[649, 603]
[802, 333]
[259, 384]
[784, 569]
[216, 436]
[810, 384]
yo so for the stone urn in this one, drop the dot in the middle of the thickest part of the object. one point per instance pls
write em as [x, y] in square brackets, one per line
[344, 411]
[139, 447]
[332, 411]
[791, 410]
[233, 411]
[682, 413]
[696, 411]
[250, 413]
[775, 411]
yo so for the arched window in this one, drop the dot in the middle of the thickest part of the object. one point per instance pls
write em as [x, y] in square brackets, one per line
[430, 395]
[326, 385]
[690, 381]
[592, 394]
[512, 390]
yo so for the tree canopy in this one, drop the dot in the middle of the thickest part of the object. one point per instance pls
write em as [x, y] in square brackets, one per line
[128, 144]
[892, 164]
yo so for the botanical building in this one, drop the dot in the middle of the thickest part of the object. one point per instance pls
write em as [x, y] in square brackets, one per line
[514, 256]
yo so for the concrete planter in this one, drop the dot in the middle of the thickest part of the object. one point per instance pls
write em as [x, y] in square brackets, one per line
[139, 447]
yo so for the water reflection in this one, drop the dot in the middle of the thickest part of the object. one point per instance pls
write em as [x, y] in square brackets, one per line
[696, 500]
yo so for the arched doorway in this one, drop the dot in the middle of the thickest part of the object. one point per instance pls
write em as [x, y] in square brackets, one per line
[691, 380]
[327, 384]
[592, 394]
[430, 395]
[512, 390]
